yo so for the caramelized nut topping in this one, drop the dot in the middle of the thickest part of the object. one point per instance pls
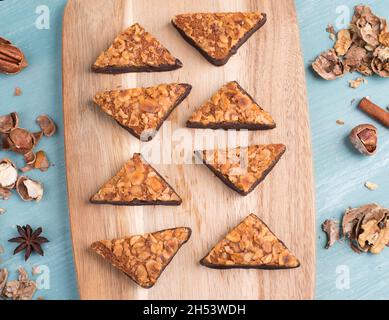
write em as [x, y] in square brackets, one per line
[142, 110]
[231, 107]
[251, 245]
[144, 257]
[136, 48]
[243, 168]
[137, 183]
[218, 34]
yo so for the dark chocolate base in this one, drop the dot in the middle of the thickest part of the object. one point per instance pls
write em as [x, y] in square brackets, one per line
[110, 257]
[234, 49]
[133, 69]
[229, 184]
[229, 126]
[137, 202]
[260, 267]
[232, 125]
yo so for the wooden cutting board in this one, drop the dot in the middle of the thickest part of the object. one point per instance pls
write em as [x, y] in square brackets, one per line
[270, 67]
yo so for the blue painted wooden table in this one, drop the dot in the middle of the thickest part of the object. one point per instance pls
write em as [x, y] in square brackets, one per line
[340, 173]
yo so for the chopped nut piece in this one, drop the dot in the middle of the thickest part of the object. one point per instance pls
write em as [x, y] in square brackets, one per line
[218, 36]
[329, 66]
[47, 125]
[142, 111]
[250, 245]
[242, 169]
[357, 82]
[18, 92]
[330, 29]
[365, 139]
[9, 122]
[340, 122]
[231, 108]
[371, 186]
[136, 50]
[137, 183]
[143, 258]
[8, 174]
[331, 228]
[12, 59]
[2, 210]
[21, 289]
[29, 189]
[343, 42]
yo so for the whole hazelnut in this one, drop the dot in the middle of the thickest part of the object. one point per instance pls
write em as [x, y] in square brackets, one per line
[365, 139]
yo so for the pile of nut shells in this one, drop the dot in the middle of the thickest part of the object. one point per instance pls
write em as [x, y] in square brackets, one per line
[364, 48]
[366, 228]
[23, 142]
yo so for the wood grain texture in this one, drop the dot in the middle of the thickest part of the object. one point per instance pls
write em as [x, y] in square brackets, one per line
[270, 67]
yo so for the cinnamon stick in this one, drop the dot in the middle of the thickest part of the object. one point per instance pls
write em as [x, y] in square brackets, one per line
[374, 111]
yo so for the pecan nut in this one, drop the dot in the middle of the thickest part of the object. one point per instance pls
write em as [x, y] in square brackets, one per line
[12, 59]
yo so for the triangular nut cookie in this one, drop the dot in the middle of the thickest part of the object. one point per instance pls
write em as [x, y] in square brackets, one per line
[136, 50]
[231, 108]
[142, 111]
[242, 169]
[250, 245]
[218, 36]
[137, 184]
[143, 258]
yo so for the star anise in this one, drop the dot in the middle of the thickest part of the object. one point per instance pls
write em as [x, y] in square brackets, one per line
[29, 240]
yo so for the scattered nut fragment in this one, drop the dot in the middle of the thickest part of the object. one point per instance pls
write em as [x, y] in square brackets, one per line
[47, 125]
[41, 161]
[8, 174]
[343, 42]
[340, 122]
[29, 189]
[330, 29]
[365, 138]
[9, 122]
[331, 228]
[2, 210]
[357, 82]
[18, 92]
[329, 66]
[5, 194]
[371, 186]
[21, 289]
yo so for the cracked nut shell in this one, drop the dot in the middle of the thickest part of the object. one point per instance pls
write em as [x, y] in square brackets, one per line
[8, 174]
[365, 139]
[29, 189]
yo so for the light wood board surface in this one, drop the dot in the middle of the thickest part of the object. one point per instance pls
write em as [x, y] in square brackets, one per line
[269, 66]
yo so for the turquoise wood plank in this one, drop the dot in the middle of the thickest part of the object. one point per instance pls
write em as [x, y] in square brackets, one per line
[340, 172]
[41, 85]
